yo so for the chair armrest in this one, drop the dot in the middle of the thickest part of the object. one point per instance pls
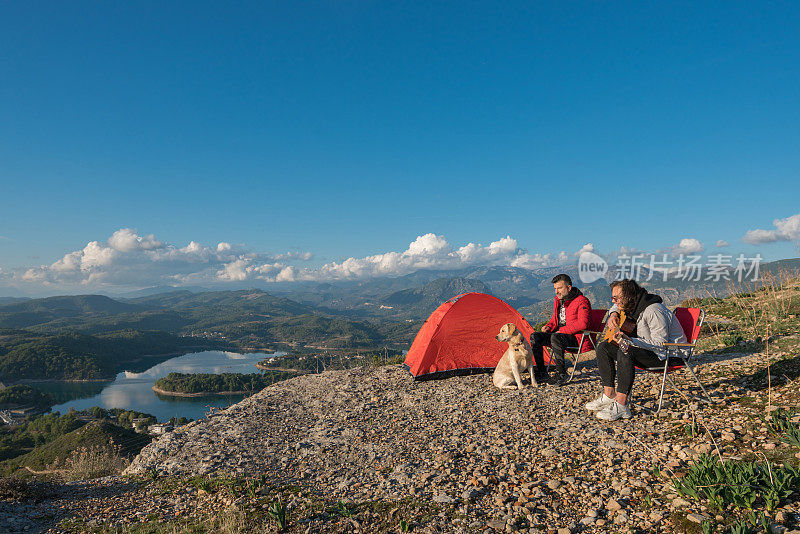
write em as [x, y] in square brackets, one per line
[678, 345]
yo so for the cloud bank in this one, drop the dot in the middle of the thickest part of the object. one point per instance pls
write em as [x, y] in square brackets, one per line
[128, 259]
[131, 260]
[787, 229]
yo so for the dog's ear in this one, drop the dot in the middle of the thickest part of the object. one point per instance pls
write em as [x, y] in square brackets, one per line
[516, 335]
[512, 329]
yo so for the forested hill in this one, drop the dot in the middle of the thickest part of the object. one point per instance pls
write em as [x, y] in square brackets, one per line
[51, 309]
[422, 300]
[77, 356]
[244, 319]
[93, 336]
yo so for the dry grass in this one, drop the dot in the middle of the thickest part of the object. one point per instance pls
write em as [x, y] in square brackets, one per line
[90, 462]
[754, 311]
[226, 522]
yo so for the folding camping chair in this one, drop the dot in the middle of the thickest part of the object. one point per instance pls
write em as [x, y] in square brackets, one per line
[596, 326]
[678, 354]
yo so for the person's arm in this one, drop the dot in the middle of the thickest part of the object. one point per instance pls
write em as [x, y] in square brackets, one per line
[612, 316]
[657, 322]
[552, 324]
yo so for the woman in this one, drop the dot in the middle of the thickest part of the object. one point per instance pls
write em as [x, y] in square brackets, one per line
[655, 325]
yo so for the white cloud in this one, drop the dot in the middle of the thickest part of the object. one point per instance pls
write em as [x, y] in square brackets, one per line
[126, 240]
[722, 243]
[128, 259]
[787, 229]
[532, 261]
[688, 245]
[472, 253]
[302, 256]
[287, 274]
[235, 271]
[430, 251]
[428, 244]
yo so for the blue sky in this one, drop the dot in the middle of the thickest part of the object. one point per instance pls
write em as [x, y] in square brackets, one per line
[349, 129]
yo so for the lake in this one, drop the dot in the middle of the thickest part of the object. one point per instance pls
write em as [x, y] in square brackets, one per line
[132, 391]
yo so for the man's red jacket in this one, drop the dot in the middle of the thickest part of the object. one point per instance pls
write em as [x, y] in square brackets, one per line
[577, 310]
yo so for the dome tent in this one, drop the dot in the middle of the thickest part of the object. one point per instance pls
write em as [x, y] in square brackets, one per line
[459, 337]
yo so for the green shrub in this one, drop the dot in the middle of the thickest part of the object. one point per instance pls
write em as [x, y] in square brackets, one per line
[781, 424]
[739, 483]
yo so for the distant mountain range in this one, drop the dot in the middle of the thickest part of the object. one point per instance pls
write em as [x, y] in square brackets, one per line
[529, 290]
[421, 299]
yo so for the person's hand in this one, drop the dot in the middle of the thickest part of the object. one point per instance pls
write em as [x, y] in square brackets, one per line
[545, 328]
[618, 337]
[613, 320]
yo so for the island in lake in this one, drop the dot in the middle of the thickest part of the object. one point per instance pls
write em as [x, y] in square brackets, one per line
[206, 384]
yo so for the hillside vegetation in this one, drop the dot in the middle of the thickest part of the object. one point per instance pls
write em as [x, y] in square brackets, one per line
[45, 440]
[77, 356]
[195, 383]
[94, 449]
[751, 319]
[22, 395]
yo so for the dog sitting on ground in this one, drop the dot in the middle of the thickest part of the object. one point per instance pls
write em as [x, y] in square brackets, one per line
[518, 358]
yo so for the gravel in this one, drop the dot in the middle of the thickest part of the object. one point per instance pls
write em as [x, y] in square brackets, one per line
[507, 460]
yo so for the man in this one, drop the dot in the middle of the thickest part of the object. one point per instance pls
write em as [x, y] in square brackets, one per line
[655, 325]
[571, 312]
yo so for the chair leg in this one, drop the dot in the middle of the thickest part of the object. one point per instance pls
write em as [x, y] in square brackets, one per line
[675, 386]
[574, 366]
[708, 397]
[663, 381]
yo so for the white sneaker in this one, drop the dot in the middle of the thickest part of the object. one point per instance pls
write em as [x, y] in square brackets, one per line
[599, 403]
[614, 411]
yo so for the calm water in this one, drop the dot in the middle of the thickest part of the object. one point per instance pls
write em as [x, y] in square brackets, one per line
[132, 391]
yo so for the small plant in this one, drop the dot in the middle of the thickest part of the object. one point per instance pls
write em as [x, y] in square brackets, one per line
[781, 424]
[782, 484]
[152, 474]
[758, 518]
[277, 511]
[343, 510]
[655, 471]
[204, 484]
[692, 429]
[707, 527]
[741, 527]
[404, 527]
[232, 485]
[252, 489]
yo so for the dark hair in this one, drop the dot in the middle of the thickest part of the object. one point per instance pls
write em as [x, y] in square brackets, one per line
[629, 289]
[562, 278]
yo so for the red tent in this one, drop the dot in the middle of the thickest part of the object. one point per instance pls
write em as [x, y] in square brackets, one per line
[459, 337]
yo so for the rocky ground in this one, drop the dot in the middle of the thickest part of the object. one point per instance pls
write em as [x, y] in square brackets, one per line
[368, 450]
